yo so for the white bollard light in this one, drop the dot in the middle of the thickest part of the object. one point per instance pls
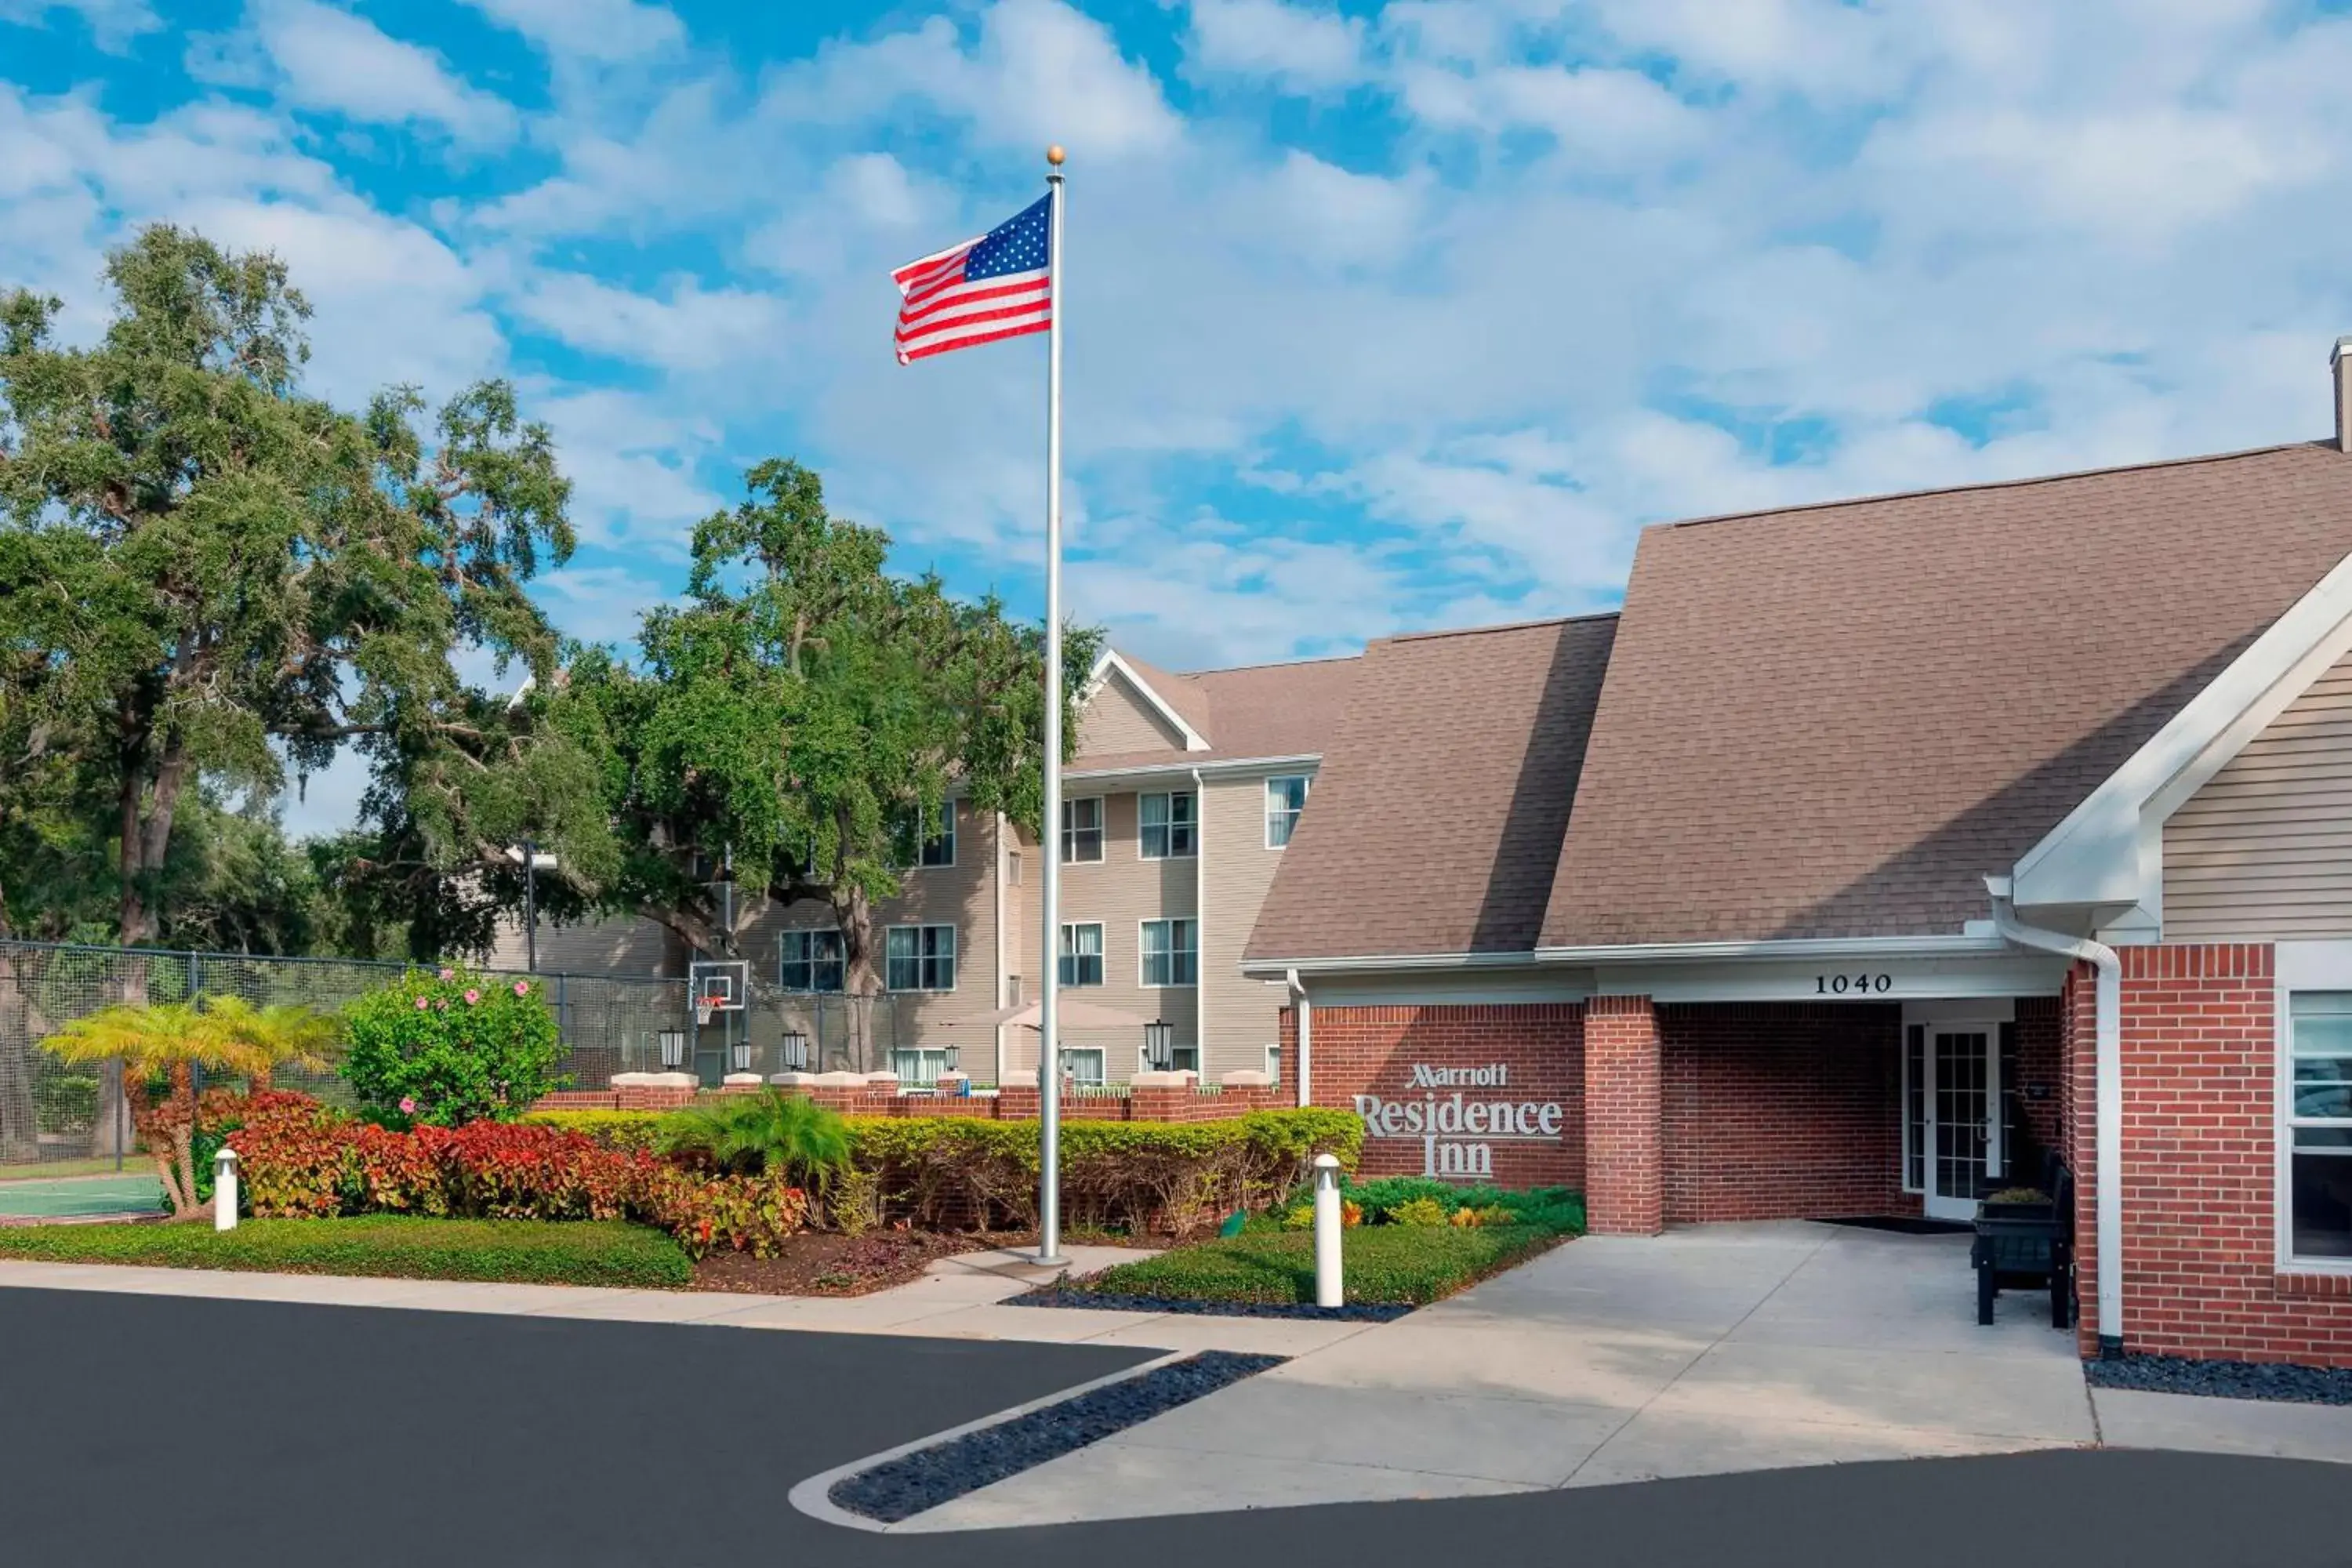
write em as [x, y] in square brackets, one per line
[1328, 1289]
[225, 1190]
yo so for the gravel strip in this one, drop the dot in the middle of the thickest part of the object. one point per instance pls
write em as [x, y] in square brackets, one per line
[914, 1483]
[1113, 1301]
[2224, 1379]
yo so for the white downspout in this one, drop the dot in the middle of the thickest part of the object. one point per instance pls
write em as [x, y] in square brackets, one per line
[1305, 1007]
[1003, 864]
[1201, 926]
[2107, 1090]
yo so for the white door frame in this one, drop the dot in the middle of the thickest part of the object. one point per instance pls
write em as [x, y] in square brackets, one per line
[1932, 1203]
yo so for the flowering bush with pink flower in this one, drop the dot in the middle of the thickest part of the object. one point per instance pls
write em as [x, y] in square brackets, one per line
[449, 1046]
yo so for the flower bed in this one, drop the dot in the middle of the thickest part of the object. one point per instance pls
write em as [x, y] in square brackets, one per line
[388, 1246]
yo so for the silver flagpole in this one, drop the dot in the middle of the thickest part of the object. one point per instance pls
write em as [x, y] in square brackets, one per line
[1049, 1043]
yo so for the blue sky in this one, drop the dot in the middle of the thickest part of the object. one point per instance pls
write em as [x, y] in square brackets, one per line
[1380, 315]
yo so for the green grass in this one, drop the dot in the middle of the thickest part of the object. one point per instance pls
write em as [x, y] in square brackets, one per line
[1401, 1264]
[397, 1246]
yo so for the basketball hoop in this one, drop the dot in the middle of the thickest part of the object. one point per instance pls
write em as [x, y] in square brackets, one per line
[702, 1011]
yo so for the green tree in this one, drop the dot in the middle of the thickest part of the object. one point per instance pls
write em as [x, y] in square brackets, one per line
[796, 714]
[207, 574]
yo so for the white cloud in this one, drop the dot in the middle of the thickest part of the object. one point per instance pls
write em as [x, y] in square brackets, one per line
[112, 24]
[693, 329]
[1302, 50]
[606, 30]
[334, 61]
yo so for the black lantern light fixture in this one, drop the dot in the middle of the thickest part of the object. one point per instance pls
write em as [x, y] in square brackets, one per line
[743, 1056]
[1160, 1046]
[796, 1051]
[673, 1048]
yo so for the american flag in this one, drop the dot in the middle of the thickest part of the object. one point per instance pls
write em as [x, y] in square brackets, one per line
[998, 286]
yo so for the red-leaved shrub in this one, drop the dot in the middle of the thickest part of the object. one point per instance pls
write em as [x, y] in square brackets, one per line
[299, 1159]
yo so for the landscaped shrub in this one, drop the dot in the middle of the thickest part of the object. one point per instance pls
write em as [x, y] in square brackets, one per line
[380, 1244]
[301, 1159]
[1419, 1211]
[767, 1133]
[607, 1129]
[1406, 1263]
[451, 1048]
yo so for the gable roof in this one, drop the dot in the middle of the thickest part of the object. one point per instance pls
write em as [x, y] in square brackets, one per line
[1257, 710]
[1834, 720]
[1437, 814]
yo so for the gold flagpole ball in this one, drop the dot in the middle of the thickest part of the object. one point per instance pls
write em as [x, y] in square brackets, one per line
[1053, 155]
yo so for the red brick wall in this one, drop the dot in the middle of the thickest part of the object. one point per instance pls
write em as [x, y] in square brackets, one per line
[1623, 1076]
[1781, 1110]
[1372, 1051]
[2200, 1271]
[2038, 1066]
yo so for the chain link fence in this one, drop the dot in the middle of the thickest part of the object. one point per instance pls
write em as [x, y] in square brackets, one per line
[52, 1112]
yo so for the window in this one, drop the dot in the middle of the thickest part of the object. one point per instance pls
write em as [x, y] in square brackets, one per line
[1171, 952]
[1082, 954]
[1274, 1062]
[918, 1069]
[812, 960]
[1286, 798]
[1180, 1059]
[1082, 1064]
[916, 845]
[1171, 825]
[2319, 1116]
[1082, 829]
[1013, 868]
[920, 958]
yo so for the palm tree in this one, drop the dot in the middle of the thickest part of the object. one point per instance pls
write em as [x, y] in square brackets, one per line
[283, 1034]
[173, 1039]
[767, 1131]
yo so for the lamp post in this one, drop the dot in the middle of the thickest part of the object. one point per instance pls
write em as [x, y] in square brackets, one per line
[673, 1048]
[1159, 1046]
[796, 1051]
[533, 860]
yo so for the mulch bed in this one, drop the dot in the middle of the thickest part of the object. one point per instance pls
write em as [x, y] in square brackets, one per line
[824, 1263]
[2224, 1379]
[913, 1483]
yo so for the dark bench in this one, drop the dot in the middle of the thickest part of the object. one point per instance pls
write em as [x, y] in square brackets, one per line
[2028, 1246]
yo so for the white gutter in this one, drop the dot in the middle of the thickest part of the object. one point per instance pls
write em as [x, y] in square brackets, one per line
[1147, 772]
[1964, 944]
[1305, 1007]
[2107, 1118]
[1003, 861]
[1199, 926]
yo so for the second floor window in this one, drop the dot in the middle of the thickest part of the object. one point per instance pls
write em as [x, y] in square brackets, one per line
[1171, 826]
[920, 958]
[1082, 954]
[1286, 798]
[812, 960]
[925, 840]
[1171, 952]
[1082, 829]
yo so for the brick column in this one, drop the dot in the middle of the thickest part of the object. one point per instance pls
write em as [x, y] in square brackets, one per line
[1624, 1156]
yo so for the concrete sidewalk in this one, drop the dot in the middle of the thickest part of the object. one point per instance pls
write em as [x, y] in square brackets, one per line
[958, 1297]
[1708, 1351]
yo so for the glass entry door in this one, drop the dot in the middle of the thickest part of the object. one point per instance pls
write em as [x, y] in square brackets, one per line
[1952, 1152]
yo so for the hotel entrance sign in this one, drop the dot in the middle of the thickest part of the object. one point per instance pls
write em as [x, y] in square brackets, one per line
[1457, 1125]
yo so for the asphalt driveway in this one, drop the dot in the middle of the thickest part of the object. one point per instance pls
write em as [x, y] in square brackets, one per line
[140, 1429]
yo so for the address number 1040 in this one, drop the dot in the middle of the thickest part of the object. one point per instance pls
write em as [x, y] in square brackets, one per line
[1864, 984]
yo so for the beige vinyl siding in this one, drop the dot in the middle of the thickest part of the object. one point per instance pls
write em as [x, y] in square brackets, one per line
[2264, 849]
[621, 945]
[963, 895]
[1118, 892]
[1119, 721]
[1243, 1012]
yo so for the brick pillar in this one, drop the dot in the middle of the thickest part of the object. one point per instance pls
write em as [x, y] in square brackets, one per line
[1625, 1182]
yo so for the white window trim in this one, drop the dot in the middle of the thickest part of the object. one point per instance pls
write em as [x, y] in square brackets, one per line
[948, 813]
[938, 1051]
[1169, 796]
[1266, 803]
[1903, 1135]
[1062, 842]
[1141, 957]
[2296, 966]
[955, 958]
[786, 936]
[1102, 954]
[1065, 1052]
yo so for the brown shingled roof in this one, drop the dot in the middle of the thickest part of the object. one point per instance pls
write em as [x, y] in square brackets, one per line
[1436, 815]
[1258, 710]
[1836, 719]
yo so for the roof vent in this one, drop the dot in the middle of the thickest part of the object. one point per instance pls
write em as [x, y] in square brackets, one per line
[2339, 361]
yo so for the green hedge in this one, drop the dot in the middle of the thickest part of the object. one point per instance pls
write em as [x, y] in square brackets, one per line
[390, 1246]
[960, 1171]
[1406, 1265]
